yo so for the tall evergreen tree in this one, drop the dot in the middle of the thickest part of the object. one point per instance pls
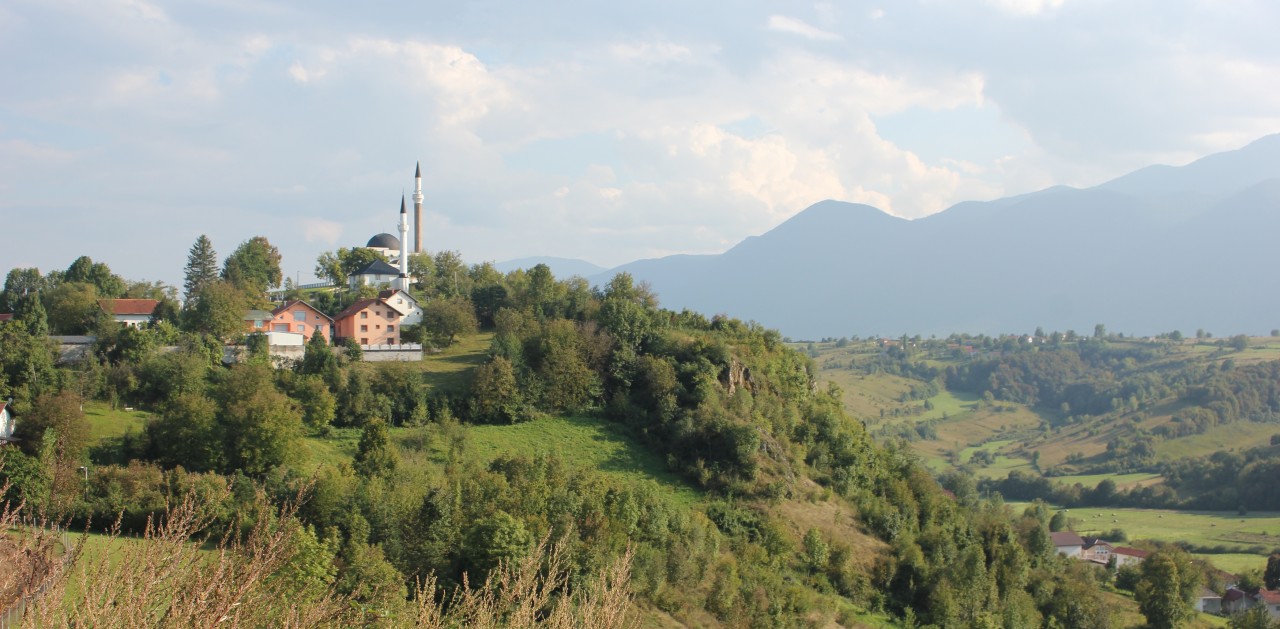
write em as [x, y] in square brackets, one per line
[202, 267]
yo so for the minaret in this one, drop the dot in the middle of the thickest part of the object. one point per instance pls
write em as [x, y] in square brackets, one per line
[417, 209]
[403, 284]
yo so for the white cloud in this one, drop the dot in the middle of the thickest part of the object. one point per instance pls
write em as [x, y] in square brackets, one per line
[321, 231]
[796, 26]
[1027, 7]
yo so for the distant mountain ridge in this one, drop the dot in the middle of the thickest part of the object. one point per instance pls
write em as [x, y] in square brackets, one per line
[560, 267]
[1159, 249]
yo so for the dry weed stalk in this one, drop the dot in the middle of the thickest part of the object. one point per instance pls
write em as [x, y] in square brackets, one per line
[31, 564]
[521, 595]
[165, 580]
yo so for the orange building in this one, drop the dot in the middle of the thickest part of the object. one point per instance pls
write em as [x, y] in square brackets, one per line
[300, 317]
[369, 322]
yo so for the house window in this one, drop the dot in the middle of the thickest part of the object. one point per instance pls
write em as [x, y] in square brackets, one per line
[280, 327]
[391, 328]
[302, 327]
[257, 324]
[364, 341]
[364, 328]
[299, 315]
[378, 327]
[364, 315]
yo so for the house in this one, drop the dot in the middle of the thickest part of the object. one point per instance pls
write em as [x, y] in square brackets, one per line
[1271, 600]
[403, 303]
[6, 316]
[1208, 601]
[1235, 600]
[1125, 556]
[257, 321]
[1068, 543]
[6, 421]
[134, 313]
[1096, 550]
[301, 317]
[375, 273]
[369, 322]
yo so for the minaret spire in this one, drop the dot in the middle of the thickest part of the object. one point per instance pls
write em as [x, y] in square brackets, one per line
[403, 283]
[417, 208]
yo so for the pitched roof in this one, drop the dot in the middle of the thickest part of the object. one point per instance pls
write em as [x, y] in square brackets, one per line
[292, 302]
[258, 315]
[1207, 593]
[1233, 594]
[356, 307]
[128, 306]
[1090, 542]
[1131, 552]
[378, 267]
[5, 316]
[1270, 597]
[1066, 538]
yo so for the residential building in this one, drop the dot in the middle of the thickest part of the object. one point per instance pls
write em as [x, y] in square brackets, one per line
[369, 322]
[1125, 556]
[257, 321]
[131, 312]
[1068, 543]
[6, 421]
[403, 303]
[301, 317]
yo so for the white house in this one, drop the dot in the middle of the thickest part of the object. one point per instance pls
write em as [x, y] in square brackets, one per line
[375, 273]
[403, 303]
[131, 312]
[1068, 543]
[1125, 556]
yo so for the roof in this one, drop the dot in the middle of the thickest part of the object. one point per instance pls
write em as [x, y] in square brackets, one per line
[258, 315]
[288, 305]
[128, 306]
[1233, 594]
[1270, 597]
[2, 405]
[1131, 552]
[384, 241]
[5, 316]
[75, 339]
[1090, 542]
[356, 307]
[1066, 538]
[417, 171]
[378, 267]
[401, 206]
[1207, 593]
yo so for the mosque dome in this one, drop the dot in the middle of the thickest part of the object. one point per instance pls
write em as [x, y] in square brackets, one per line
[384, 241]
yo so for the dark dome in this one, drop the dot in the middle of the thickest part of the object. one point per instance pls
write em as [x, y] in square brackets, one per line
[385, 241]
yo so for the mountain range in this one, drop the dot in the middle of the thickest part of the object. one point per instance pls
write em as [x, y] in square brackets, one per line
[1163, 248]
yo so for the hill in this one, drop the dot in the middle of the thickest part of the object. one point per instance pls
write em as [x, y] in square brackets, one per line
[560, 267]
[1126, 253]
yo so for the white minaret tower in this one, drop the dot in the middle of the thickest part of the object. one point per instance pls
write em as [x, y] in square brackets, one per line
[417, 208]
[403, 284]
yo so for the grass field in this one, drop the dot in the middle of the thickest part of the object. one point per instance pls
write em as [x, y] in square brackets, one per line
[1122, 481]
[105, 423]
[450, 370]
[588, 442]
[1236, 436]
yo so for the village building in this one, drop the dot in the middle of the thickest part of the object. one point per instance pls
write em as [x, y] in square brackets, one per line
[403, 303]
[257, 321]
[369, 322]
[134, 313]
[1096, 550]
[1126, 556]
[300, 317]
[1068, 543]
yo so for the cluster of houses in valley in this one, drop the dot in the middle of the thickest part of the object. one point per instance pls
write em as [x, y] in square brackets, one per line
[1099, 551]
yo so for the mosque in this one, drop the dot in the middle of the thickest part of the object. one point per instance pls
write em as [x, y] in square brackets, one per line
[396, 250]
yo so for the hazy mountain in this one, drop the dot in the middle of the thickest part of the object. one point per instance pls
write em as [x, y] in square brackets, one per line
[1160, 249]
[560, 267]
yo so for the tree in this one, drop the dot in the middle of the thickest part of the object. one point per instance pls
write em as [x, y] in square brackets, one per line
[1059, 521]
[73, 307]
[253, 267]
[446, 319]
[1099, 331]
[61, 414]
[188, 433]
[262, 425]
[31, 313]
[495, 393]
[1239, 342]
[219, 311]
[338, 266]
[493, 540]
[319, 406]
[85, 270]
[201, 269]
[816, 551]
[376, 456]
[318, 359]
[1271, 576]
[1256, 617]
[18, 284]
[1167, 588]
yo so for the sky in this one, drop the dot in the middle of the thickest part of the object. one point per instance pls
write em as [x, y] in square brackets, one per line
[602, 131]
